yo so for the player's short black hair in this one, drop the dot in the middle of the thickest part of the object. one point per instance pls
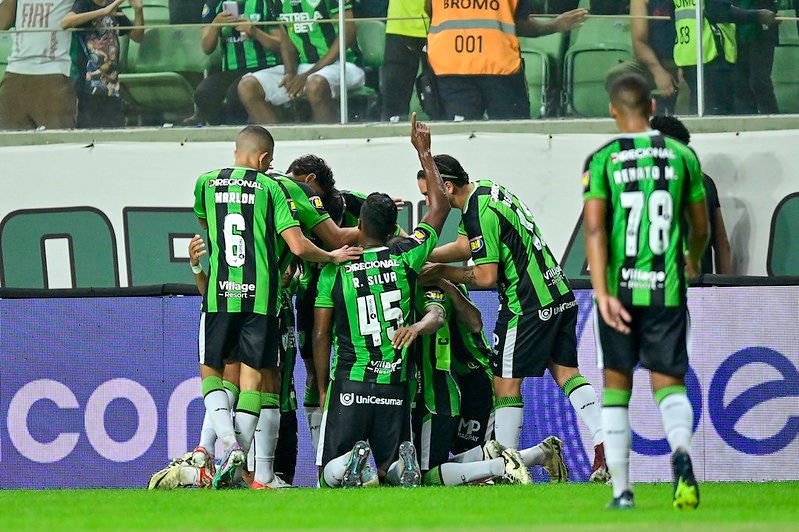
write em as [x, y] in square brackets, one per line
[450, 170]
[671, 126]
[313, 164]
[256, 138]
[379, 216]
[630, 93]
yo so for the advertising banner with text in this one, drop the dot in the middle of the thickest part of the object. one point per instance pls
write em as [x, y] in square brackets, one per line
[102, 392]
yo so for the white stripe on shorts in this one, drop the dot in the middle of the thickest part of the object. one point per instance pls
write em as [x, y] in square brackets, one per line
[424, 452]
[600, 355]
[201, 339]
[507, 353]
[321, 446]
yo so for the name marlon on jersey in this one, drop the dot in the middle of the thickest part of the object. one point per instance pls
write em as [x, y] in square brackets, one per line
[234, 197]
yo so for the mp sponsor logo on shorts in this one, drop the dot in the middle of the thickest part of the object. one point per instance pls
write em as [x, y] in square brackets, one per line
[545, 314]
[469, 429]
[350, 398]
[634, 278]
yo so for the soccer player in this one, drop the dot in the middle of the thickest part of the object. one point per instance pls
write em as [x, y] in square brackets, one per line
[249, 226]
[646, 227]
[535, 328]
[365, 305]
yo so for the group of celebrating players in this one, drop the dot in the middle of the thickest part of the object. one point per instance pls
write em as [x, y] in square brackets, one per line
[413, 384]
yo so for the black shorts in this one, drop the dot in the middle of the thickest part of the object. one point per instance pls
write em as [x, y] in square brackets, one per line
[476, 421]
[658, 341]
[286, 450]
[255, 337]
[305, 309]
[378, 413]
[524, 344]
[434, 437]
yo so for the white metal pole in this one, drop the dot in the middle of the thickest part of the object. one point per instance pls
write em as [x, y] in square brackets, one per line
[342, 62]
[700, 65]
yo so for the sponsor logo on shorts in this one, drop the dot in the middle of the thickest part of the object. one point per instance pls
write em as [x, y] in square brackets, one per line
[469, 429]
[545, 314]
[348, 399]
[476, 244]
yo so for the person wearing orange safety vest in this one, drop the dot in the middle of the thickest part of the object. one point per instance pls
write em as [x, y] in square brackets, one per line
[473, 49]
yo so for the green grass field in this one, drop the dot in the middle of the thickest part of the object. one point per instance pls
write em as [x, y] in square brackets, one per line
[727, 506]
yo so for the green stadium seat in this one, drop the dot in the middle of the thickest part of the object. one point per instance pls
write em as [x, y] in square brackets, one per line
[542, 57]
[783, 246]
[595, 47]
[371, 37]
[6, 43]
[789, 33]
[161, 73]
[785, 78]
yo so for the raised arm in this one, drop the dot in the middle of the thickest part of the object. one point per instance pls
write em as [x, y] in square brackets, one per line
[307, 250]
[74, 20]
[436, 194]
[465, 310]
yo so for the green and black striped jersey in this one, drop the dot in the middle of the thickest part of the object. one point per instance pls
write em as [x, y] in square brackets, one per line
[239, 53]
[371, 298]
[352, 207]
[647, 180]
[308, 206]
[288, 345]
[245, 211]
[502, 230]
[313, 39]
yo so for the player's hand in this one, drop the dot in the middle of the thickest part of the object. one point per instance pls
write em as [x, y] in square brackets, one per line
[692, 269]
[420, 135]
[614, 314]
[430, 274]
[404, 337]
[111, 8]
[196, 250]
[136, 4]
[225, 17]
[345, 254]
[570, 19]
[399, 202]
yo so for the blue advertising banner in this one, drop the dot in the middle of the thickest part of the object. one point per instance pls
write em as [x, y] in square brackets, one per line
[102, 392]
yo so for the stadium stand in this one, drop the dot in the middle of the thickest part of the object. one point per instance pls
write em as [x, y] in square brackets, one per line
[593, 49]
[783, 248]
[542, 63]
[371, 39]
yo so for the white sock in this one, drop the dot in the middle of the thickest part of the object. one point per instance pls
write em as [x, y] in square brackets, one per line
[586, 403]
[455, 474]
[508, 425]
[616, 422]
[232, 398]
[475, 454]
[245, 423]
[265, 443]
[314, 416]
[334, 470]
[533, 456]
[394, 472]
[208, 434]
[678, 418]
[216, 404]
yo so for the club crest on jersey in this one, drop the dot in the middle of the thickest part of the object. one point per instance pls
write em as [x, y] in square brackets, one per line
[420, 235]
[476, 244]
[316, 201]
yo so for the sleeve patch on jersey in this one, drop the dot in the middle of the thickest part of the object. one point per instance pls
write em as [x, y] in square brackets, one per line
[434, 295]
[316, 201]
[420, 235]
[292, 206]
[586, 180]
[206, 10]
[476, 244]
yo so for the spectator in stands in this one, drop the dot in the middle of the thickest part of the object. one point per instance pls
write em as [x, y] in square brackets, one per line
[95, 58]
[475, 55]
[719, 52]
[318, 75]
[244, 48]
[36, 90]
[653, 46]
[754, 92]
[717, 257]
[405, 49]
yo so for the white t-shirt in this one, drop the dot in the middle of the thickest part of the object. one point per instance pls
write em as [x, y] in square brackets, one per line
[41, 52]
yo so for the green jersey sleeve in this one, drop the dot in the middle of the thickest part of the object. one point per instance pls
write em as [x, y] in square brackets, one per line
[310, 211]
[281, 204]
[484, 246]
[696, 183]
[595, 185]
[416, 249]
[324, 296]
[199, 200]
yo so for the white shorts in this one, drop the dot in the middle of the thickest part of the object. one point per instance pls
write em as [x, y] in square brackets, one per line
[270, 78]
